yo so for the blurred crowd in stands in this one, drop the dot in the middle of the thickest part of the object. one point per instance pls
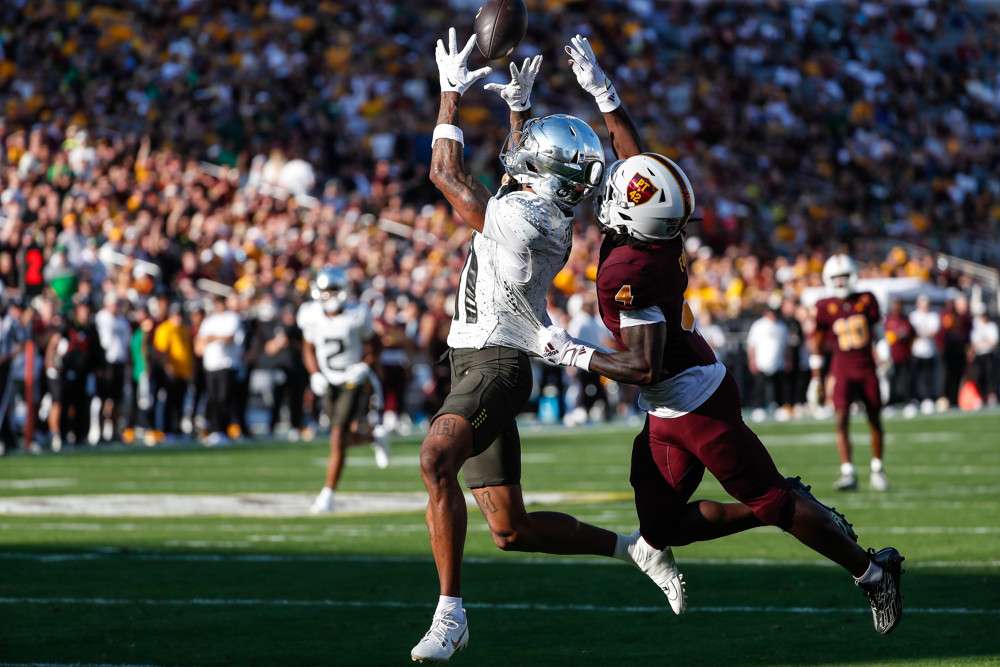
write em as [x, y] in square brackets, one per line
[166, 162]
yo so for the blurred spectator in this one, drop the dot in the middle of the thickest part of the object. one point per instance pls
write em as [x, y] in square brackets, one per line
[114, 334]
[244, 358]
[395, 362]
[175, 351]
[198, 389]
[13, 336]
[282, 358]
[713, 334]
[78, 356]
[899, 335]
[953, 341]
[767, 354]
[985, 342]
[219, 342]
[797, 373]
[143, 395]
[926, 324]
[586, 400]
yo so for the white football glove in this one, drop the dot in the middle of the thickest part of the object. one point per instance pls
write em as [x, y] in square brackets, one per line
[356, 374]
[813, 391]
[453, 65]
[318, 384]
[557, 347]
[517, 93]
[590, 76]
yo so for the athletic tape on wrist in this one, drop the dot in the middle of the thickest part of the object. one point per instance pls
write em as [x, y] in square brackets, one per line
[445, 131]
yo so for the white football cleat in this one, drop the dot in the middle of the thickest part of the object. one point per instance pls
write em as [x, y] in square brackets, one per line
[446, 637]
[383, 451]
[659, 566]
[846, 482]
[878, 481]
[323, 503]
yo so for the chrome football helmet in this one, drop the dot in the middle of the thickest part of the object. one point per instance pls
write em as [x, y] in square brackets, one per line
[840, 275]
[558, 156]
[331, 288]
[647, 197]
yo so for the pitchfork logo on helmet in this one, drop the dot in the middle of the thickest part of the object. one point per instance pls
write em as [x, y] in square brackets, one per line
[559, 157]
[840, 274]
[647, 197]
[330, 288]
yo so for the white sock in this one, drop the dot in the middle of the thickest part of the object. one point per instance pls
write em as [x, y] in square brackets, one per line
[446, 601]
[871, 575]
[622, 544]
[847, 469]
[326, 492]
[876, 465]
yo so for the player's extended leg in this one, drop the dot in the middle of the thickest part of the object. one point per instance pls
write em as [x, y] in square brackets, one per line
[732, 452]
[445, 449]
[447, 446]
[848, 480]
[664, 478]
[515, 529]
[873, 408]
[341, 405]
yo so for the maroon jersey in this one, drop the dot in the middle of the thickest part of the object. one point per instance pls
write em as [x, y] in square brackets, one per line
[631, 280]
[852, 321]
[899, 333]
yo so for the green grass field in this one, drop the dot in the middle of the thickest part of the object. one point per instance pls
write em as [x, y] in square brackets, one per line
[90, 578]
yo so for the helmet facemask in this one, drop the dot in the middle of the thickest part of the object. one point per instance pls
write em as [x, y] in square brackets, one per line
[559, 157]
[331, 289]
[647, 197]
[840, 275]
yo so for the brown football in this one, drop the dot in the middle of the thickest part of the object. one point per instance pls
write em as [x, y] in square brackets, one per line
[500, 27]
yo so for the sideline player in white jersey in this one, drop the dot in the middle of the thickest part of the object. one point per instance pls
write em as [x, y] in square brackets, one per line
[338, 344]
[521, 239]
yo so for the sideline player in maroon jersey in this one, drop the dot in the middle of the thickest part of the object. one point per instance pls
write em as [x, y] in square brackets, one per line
[852, 317]
[694, 420]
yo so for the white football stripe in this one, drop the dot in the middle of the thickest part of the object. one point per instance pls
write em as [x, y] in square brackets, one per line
[393, 604]
[106, 554]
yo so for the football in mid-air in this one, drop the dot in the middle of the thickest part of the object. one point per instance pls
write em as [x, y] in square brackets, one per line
[500, 27]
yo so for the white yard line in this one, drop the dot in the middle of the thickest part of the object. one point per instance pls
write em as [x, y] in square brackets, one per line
[109, 554]
[252, 504]
[394, 604]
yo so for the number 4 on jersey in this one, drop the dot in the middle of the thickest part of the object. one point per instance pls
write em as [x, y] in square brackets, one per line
[624, 295]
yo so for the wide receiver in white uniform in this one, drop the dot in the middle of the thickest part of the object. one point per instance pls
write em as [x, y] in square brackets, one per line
[338, 340]
[521, 239]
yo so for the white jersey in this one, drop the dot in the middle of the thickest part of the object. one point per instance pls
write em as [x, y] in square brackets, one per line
[339, 339]
[501, 295]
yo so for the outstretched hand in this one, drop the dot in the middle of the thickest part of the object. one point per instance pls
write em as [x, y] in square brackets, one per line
[589, 74]
[453, 64]
[517, 93]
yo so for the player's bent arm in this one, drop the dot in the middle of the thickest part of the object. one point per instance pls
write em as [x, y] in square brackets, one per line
[641, 361]
[309, 357]
[466, 193]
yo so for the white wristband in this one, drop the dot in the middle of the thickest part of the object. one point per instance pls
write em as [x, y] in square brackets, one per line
[608, 100]
[816, 362]
[445, 131]
[582, 360]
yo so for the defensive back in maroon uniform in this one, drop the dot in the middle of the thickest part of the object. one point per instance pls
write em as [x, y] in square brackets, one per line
[632, 280]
